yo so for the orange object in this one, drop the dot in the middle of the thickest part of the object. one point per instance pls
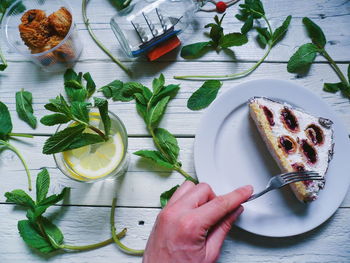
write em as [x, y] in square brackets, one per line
[164, 48]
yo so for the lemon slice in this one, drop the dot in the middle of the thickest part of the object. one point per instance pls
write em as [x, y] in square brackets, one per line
[96, 160]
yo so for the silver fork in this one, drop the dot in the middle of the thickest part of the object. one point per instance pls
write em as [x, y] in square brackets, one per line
[281, 180]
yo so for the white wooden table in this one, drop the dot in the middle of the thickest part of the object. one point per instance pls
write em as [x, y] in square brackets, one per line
[85, 217]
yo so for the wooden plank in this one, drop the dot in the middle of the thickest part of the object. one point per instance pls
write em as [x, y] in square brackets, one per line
[325, 13]
[140, 187]
[45, 87]
[82, 225]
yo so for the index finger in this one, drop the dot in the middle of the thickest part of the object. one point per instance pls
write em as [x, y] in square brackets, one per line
[213, 211]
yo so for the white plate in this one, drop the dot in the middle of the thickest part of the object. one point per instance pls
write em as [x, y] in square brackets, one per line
[229, 153]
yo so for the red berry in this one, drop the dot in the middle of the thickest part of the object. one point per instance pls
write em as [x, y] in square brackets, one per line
[221, 7]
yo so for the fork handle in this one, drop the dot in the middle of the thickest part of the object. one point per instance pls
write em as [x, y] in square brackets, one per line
[254, 196]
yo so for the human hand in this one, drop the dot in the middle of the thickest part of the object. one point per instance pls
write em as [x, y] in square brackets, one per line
[194, 224]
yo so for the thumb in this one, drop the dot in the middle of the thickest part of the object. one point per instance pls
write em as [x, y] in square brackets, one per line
[217, 235]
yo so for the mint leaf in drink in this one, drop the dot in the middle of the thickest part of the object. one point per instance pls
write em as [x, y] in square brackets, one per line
[84, 139]
[5, 122]
[90, 84]
[54, 119]
[281, 31]
[42, 185]
[31, 236]
[315, 33]
[24, 108]
[53, 232]
[165, 196]
[102, 106]
[168, 143]
[61, 140]
[195, 50]
[205, 95]
[80, 111]
[157, 111]
[233, 39]
[302, 58]
[19, 197]
[156, 157]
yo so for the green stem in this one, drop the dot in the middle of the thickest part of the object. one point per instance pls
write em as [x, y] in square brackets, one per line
[116, 239]
[98, 131]
[186, 175]
[14, 149]
[21, 135]
[335, 67]
[230, 76]
[268, 25]
[104, 49]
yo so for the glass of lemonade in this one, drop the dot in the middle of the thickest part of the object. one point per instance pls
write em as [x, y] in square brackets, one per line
[99, 161]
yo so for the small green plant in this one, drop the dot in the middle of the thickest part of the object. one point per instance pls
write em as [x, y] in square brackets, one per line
[302, 59]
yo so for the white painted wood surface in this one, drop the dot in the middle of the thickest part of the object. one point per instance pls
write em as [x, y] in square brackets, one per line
[85, 216]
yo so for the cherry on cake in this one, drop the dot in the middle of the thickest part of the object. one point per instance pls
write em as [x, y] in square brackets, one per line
[297, 140]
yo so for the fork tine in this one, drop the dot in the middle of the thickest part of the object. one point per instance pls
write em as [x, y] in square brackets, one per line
[292, 174]
[301, 176]
[318, 178]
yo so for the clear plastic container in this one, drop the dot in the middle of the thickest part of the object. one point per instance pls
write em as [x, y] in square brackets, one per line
[60, 57]
[145, 24]
[120, 167]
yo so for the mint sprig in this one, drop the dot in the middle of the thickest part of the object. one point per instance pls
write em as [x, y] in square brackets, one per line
[251, 11]
[303, 58]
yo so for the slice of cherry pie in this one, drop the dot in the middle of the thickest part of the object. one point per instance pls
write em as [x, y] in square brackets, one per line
[297, 140]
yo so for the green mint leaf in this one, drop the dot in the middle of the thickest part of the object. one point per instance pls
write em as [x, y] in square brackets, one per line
[157, 111]
[168, 144]
[34, 213]
[3, 66]
[140, 98]
[31, 236]
[102, 106]
[315, 33]
[264, 32]
[80, 111]
[59, 105]
[70, 74]
[248, 25]
[24, 108]
[281, 31]
[345, 90]
[165, 196]
[262, 41]
[233, 39]
[19, 197]
[255, 7]
[74, 84]
[112, 89]
[195, 50]
[333, 87]
[156, 157]
[42, 185]
[142, 110]
[53, 199]
[5, 121]
[61, 140]
[84, 139]
[169, 90]
[74, 94]
[302, 58]
[52, 231]
[90, 84]
[130, 88]
[158, 84]
[216, 33]
[205, 95]
[243, 16]
[54, 119]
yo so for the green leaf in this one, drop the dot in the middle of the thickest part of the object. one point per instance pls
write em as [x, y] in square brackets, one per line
[52, 231]
[264, 32]
[157, 84]
[42, 185]
[90, 84]
[262, 41]
[349, 73]
[59, 105]
[233, 39]
[248, 25]
[53, 199]
[70, 74]
[34, 213]
[142, 110]
[102, 106]
[345, 90]
[84, 139]
[19, 197]
[302, 58]
[216, 33]
[168, 144]
[54, 119]
[205, 95]
[256, 8]
[80, 111]
[32, 238]
[281, 31]
[73, 94]
[61, 140]
[332, 87]
[315, 33]
[5, 121]
[24, 108]
[156, 157]
[195, 50]
[169, 90]
[111, 89]
[157, 111]
[165, 196]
